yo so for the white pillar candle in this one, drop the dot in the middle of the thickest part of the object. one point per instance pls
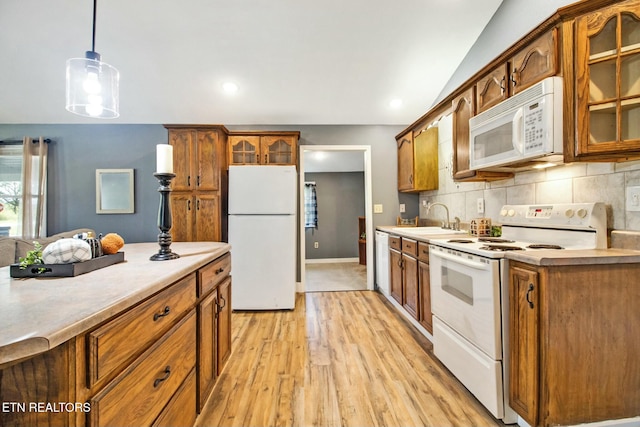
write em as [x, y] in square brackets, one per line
[164, 158]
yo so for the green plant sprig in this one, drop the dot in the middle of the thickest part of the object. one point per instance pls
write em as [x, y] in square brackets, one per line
[33, 257]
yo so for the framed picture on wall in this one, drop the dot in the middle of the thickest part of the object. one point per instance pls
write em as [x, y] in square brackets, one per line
[114, 191]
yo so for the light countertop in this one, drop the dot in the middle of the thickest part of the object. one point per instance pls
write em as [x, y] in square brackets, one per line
[38, 314]
[543, 257]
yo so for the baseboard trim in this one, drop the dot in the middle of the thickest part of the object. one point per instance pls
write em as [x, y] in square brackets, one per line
[330, 260]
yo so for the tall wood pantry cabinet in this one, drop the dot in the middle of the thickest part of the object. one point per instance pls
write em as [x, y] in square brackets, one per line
[198, 196]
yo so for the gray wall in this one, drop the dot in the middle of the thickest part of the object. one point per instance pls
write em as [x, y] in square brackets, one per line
[79, 150]
[340, 203]
[75, 154]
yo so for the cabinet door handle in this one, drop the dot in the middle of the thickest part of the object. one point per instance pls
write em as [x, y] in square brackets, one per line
[513, 77]
[265, 159]
[198, 204]
[163, 313]
[220, 307]
[503, 88]
[158, 381]
[528, 292]
[411, 179]
[188, 205]
[189, 181]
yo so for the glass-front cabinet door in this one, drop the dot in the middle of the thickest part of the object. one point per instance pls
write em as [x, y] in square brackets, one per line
[608, 81]
[278, 150]
[244, 150]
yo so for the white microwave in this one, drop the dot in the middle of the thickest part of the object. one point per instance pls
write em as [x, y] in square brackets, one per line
[520, 131]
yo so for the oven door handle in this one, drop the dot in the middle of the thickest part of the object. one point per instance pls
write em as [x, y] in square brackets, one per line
[460, 260]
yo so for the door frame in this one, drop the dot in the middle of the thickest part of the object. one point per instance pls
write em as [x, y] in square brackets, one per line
[368, 206]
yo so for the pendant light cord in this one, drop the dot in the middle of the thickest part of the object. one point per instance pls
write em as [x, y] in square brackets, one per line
[93, 39]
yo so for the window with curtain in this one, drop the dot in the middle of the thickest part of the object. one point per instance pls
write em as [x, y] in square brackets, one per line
[23, 188]
[310, 206]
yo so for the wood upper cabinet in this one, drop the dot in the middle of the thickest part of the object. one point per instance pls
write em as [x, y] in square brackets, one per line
[199, 162]
[607, 67]
[573, 343]
[418, 161]
[463, 108]
[492, 88]
[538, 60]
[405, 162]
[263, 148]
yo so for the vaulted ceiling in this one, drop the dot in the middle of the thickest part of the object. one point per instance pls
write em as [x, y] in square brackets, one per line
[295, 61]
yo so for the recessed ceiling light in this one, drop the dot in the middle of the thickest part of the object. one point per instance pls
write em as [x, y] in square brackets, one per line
[395, 103]
[230, 87]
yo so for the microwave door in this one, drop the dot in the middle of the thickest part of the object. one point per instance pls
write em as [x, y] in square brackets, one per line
[492, 143]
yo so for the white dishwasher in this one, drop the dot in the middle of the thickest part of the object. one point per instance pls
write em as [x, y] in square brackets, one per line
[382, 262]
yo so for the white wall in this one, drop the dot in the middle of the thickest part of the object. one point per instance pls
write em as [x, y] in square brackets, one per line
[512, 20]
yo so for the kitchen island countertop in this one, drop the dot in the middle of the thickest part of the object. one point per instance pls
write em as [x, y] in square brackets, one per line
[39, 314]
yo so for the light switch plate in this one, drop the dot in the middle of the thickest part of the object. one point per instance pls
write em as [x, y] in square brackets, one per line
[633, 198]
[403, 208]
[377, 208]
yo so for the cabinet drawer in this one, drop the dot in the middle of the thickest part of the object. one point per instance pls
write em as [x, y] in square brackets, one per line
[395, 243]
[423, 252]
[181, 411]
[117, 342]
[410, 247]
[211, 274]
[140, 393]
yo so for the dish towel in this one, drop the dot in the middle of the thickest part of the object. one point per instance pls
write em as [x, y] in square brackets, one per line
[310, 206]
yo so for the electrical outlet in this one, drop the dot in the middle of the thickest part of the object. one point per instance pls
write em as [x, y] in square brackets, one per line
[315, 245]
[633, 198]
[480, 205]
[424, 203]
[403, 208]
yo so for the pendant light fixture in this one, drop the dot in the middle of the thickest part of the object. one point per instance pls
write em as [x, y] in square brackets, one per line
[92, 85]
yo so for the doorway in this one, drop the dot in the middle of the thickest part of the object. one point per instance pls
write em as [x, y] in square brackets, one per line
[335, 155]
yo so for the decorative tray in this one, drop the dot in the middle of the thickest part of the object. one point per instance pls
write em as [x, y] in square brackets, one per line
[65, 270]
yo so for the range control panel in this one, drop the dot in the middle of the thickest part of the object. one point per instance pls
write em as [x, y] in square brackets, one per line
[578, 216]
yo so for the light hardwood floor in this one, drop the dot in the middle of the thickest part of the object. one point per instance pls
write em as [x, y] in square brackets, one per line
[338, 359]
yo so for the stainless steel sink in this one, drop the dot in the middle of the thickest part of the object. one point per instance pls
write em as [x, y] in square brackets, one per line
[427, 230]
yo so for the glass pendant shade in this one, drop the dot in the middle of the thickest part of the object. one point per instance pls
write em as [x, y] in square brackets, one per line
[92, 87]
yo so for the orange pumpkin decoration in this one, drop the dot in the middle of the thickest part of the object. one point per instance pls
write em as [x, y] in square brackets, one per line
[111, 243]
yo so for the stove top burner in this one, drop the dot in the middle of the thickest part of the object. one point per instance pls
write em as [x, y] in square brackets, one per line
[494, 240]
[544, 246]
[501, 248]
[460, 241]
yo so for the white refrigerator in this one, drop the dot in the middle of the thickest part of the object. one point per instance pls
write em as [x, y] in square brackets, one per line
[262, 234]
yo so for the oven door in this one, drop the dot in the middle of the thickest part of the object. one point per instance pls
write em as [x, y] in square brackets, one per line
[465, 295]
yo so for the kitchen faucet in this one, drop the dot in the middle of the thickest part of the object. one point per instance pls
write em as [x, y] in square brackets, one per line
[444, 224]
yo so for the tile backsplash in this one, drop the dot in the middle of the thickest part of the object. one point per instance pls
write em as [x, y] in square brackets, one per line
[570, 183]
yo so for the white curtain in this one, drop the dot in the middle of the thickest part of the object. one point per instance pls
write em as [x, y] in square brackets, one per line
[34, 188]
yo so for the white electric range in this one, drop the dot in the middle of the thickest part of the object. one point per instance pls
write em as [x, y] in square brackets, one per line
[469, 295]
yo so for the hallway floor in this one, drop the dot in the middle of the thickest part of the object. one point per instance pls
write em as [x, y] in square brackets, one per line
[339, 276]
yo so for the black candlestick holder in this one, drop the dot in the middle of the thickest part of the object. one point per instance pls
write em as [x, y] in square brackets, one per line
[164, 218]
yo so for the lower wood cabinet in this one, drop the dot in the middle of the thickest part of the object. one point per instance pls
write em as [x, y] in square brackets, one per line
[574, 343]
[153, 364]
[409, 277]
